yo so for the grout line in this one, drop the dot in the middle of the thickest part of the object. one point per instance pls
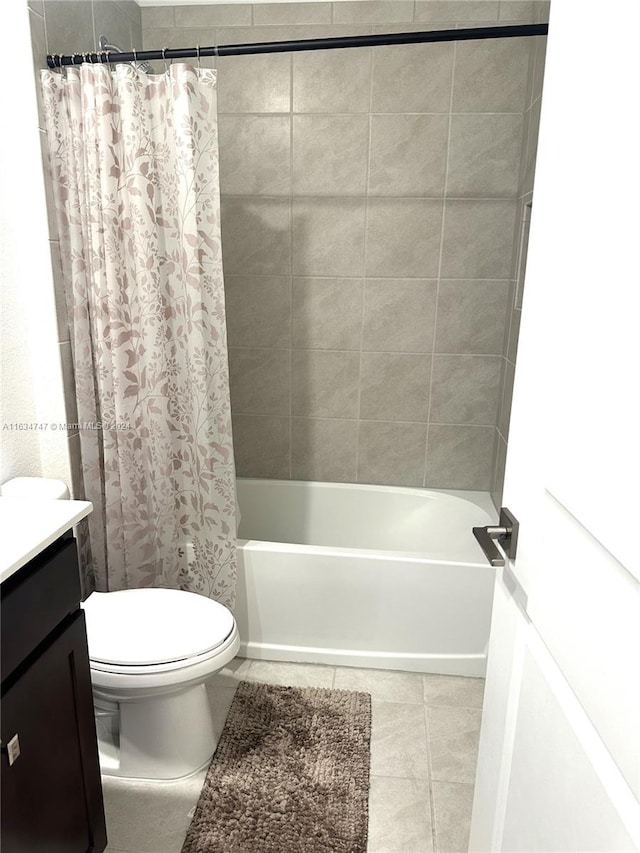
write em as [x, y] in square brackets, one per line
[364, 261]
[389, 198]
[323, 113]
[357, 277]
[442, 227]
[291, 64]
[432, 805]
[236, 412]
[373, 352]
[93, 26]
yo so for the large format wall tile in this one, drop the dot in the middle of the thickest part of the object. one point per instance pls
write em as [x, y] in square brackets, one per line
[291, 13]
[403, 237]
[213, 15]
[369, 205]
[484, 155]
[261, 446]
[374, 11]
[465, 389]
[324, 449]
[391, 454]
[457, 10]
[330, 154]
[325, 384]
[459, 457]
[258, 311]
[516, 10]
[399, 315]
[328, 237]
[478, 238]
[260, 381]
[111, 21]
[255, 155]
[491, 76]
[394, 386]
[254, 83]
[256, 235]
[331, 81]
[412, 78]
[408, 155]
[69, 26]
[327, 313]
[472, 316]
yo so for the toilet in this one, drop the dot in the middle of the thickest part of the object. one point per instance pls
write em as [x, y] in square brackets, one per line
[151, 653]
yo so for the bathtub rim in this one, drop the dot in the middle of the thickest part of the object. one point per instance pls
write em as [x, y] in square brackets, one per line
[366, 553]
[480, 499]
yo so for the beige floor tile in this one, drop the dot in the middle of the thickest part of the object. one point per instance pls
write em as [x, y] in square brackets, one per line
[453, 735]
[383, 685]
[149, 817]
[453, 690]
[399, 741]
[452, 811]
[399, 816]
[234, 672]
[291, 674]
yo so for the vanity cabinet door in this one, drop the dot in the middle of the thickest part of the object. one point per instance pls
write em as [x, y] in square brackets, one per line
[51, 793]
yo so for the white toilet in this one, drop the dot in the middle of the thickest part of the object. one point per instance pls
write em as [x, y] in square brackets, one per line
[151, 652]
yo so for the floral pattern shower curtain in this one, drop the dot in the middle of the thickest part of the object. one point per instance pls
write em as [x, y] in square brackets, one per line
[134, 167]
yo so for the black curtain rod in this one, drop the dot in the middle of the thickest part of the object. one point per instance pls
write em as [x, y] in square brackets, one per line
[57, 61]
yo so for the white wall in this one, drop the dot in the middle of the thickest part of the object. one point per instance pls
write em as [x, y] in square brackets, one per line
[31, 389]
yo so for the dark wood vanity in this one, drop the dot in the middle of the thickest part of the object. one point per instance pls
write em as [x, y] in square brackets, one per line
[51, 788]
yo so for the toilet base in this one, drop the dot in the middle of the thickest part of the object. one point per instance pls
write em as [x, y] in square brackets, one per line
[164, 738]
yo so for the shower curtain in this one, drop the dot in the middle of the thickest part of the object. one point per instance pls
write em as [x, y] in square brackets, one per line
[134, 169]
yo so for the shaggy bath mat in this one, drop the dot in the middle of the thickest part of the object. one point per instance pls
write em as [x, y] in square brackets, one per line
[290, 774]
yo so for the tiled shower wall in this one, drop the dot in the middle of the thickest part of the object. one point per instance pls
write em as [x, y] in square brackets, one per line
[73, 26]
[369, 199]
[519, 252]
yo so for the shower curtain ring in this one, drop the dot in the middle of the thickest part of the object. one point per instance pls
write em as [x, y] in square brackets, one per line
[198, 55]
[135, 58]
[164, 57]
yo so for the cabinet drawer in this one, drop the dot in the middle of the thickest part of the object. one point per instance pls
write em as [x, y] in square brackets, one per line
[35, 600]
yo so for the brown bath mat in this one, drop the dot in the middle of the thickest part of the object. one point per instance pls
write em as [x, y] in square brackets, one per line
[290, 774]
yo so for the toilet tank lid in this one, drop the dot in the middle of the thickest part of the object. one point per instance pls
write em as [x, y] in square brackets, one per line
[142, 627]
[35, 488]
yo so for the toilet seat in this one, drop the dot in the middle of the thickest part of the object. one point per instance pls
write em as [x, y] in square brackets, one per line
[151, 630]
[152, 653]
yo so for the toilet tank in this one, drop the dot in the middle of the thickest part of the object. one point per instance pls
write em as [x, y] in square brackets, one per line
[36, 488]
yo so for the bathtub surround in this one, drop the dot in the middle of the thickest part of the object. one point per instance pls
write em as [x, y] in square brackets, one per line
[143, 275]
[369, 198]
[519, 256]
[292, 767]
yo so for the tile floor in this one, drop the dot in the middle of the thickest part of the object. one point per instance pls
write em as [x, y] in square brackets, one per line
[424, 744]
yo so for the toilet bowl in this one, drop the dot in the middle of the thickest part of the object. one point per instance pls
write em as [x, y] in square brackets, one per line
[151, 651]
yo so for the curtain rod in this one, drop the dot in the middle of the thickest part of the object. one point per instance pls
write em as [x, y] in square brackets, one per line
[523, 30]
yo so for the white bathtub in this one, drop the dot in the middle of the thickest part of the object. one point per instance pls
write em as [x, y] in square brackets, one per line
[371, 576]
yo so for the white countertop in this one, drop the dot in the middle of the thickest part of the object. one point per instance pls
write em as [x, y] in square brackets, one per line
[28, 526]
